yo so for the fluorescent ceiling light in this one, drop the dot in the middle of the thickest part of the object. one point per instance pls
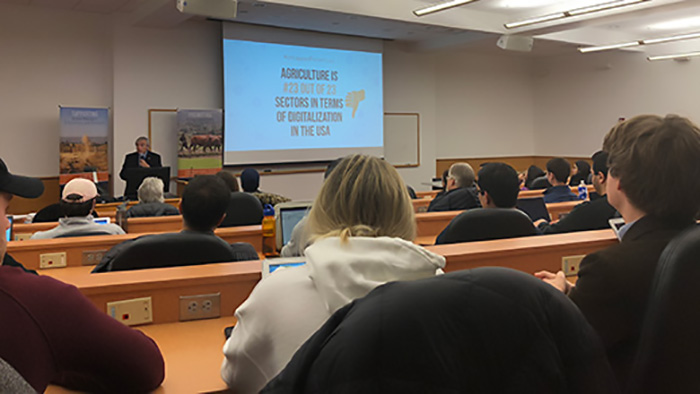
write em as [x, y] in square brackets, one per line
[441, 7]
[608, 47]
[532, 21]
[678, 56]
[575, 12]
[603, 7]
[681, 37]
[650, 41]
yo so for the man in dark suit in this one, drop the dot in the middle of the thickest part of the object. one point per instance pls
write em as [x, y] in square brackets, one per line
[589, 215]
[460, 192]
[652, 181]
[142, 158]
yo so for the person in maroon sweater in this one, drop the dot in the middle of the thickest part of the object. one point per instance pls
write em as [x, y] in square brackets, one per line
[50, 333]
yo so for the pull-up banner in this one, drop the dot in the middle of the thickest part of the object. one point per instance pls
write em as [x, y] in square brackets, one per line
[200, 143]
[84, 145]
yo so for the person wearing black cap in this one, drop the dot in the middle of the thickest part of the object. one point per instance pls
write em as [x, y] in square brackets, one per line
[52, 334]
[250, 182]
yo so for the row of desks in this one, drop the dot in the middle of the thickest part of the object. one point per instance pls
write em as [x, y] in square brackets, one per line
[192, 350]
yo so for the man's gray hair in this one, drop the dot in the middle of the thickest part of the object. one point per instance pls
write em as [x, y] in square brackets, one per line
[462, 173]
[151, 190]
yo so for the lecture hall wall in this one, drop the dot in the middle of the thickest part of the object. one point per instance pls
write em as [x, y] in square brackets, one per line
[471, 105]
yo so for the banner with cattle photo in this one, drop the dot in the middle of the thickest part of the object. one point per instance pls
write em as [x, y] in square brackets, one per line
[200, 143]
[84, 149]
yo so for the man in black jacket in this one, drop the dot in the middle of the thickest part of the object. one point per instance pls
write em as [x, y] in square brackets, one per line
[652, 182]
[589, 215]
[142, 158]
[460, 193]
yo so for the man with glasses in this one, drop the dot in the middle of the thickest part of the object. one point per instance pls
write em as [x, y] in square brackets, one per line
[460, 193]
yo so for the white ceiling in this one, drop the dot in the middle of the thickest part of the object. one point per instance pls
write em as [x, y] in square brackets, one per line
[473, 26]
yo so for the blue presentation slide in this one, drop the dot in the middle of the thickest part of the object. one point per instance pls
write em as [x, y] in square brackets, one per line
[286, 97]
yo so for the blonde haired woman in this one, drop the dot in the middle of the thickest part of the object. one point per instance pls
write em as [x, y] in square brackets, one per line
[362, 224]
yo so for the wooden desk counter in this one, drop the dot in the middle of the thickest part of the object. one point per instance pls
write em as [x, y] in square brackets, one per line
[430, 224]
[557, 209]
[528, 254]
[429, 194]
[110, 209]
[28, 252]
[193, 353]
[421, 204]
[234, 281]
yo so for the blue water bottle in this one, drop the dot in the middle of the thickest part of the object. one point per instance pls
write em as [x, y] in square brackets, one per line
[582, 191]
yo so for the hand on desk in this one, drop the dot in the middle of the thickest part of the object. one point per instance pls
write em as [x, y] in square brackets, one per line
[558, 280]
[539, 221]
[143, 163]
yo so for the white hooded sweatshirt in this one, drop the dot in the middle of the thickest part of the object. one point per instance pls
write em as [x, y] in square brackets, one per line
[285, 309]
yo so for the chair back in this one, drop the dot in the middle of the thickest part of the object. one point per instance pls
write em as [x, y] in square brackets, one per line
[483, 224]
[540, 183]
[49, 213]
[486, 330]
[175, 249]
[668, 357]
[243, 210]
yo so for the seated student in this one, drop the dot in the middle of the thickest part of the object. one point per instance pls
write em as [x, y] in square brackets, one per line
[498, 193]
[653, 183]
[589, 215]
[53, 334]
[558, 171]
[460, 193]
[250, 181]
[151, 201]
[203, 207]
[230, 180]
[362, 224]
[77, 203]
[533, 172]
[582, 172]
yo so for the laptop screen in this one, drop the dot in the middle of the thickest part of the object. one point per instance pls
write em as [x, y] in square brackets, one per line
[535, 208]
[273, 264]
[101, 220]
[8, 233]
[289, 217]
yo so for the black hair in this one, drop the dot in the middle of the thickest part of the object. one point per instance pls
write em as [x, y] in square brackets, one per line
[600, 163]
[331, 167]
[560, 168]
[71, 209]
[501, 182]
[204, 202]
[533, 172]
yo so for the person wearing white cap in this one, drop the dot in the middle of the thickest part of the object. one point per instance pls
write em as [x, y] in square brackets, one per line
[77, 203]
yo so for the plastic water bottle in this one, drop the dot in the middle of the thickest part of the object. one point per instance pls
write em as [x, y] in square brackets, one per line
[582, 191]
[268, 231]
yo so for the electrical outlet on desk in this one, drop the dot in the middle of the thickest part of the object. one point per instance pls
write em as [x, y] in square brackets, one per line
[132, 312]
[570, 264]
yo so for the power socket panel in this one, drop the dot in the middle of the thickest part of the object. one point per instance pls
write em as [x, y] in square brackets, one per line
[132, 312]
[570, 264]
[92, 257]
[22, 236]
[202, 306]
[52, 260]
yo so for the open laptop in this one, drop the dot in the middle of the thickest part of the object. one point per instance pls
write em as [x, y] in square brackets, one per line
[287, 215]
[8, 233]
[271, 265]
[535, 208]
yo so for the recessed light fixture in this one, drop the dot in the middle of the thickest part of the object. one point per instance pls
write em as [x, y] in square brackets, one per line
[445, 5]
[574, 12]
[650, 41]
[677, 56]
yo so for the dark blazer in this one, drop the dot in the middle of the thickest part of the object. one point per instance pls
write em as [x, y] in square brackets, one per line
[614, 284]
[132, 161]
[488, 330]
[589, 215]
[559, 194]
[455, 200]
